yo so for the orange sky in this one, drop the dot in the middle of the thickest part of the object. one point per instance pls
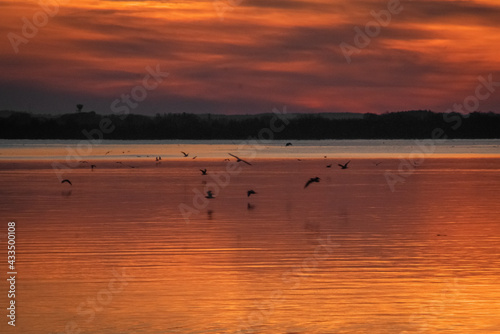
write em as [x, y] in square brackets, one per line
[256, 55]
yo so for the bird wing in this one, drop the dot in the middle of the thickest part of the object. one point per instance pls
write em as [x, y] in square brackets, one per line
[347, 163]
[246, 162]
[308, 183]
[341, 165]
[233, 155]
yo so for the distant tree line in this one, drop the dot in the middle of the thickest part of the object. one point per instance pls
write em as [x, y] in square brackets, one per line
[398, 125]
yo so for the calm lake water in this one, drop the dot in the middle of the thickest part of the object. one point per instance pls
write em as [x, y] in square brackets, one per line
[402, 241]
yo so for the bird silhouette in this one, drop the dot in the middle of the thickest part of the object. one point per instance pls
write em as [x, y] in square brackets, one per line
[92, 167]
[195, 157]
[185, 154]
[250, 192]
[329, 166]
[107, 153]
[203, 171]
[239, 159]
[288, 144]
[311, 180]
[121, 163]
[209, 195]
[344, 166]
[67, 181]
[377, 163]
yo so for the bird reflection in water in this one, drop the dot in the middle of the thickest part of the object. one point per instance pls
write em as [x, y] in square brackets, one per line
[66, 193]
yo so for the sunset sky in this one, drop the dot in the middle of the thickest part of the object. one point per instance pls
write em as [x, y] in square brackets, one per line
[246, 56]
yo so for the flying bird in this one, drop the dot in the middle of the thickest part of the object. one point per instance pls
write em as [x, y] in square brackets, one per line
[107, 153]
[288, 144]
[209, 194]
[203, 171]
[185, 154]
[239, 159]
[67, 181]
[250, 192]
[311, 180]
[329, 166]
[121, 163]
[92, 167]
[344, 166]
[377, 163]
[195, 157]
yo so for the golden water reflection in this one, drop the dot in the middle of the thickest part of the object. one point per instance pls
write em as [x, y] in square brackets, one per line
[345, 255]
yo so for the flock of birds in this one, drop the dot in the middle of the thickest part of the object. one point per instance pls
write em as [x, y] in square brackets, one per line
[210, 194]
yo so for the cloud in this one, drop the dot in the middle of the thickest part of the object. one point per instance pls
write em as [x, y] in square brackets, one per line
[263, 54]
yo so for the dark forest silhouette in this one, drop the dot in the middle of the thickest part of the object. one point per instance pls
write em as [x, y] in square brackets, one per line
[418, 124]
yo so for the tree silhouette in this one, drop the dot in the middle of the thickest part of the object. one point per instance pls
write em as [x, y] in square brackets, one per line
[421, 124]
